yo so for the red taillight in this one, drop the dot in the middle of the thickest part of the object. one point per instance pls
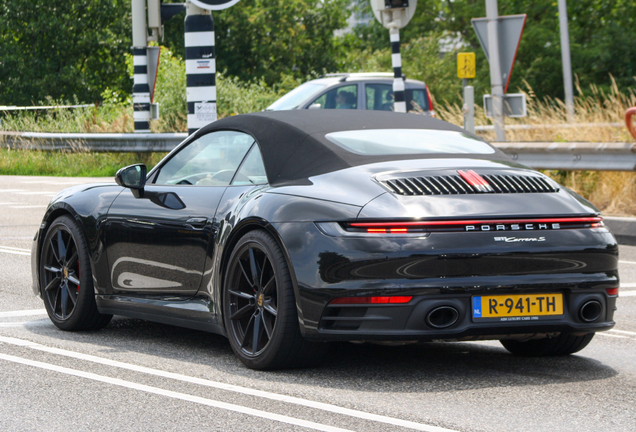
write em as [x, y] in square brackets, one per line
[373, 300]
[390, 230]
[612, 291]
[430, 102]
[376, 230]
[402, 225]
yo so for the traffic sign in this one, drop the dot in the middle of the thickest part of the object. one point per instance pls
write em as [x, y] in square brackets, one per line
[393, 13]
[510, 28]
[214, 4]
[514, 105]
[466, 65]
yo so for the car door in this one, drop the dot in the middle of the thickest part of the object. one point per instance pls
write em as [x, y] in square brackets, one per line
[157, 240]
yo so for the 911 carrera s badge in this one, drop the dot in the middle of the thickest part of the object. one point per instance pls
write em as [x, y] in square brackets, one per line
[519, 239]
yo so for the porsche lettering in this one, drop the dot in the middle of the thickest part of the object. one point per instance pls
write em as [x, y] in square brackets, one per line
[514, 227]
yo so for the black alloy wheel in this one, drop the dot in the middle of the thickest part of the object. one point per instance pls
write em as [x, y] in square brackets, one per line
[259, 307]
[66, 280]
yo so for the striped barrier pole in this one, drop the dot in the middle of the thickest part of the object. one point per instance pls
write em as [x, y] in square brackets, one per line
[200, 67]
[141, 90]
[398, 81]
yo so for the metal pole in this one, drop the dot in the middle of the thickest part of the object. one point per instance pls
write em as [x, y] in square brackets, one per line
[565, 56]
[469, 109]
[200, 67]
[141, 89]
[496, 80]
[398, 81]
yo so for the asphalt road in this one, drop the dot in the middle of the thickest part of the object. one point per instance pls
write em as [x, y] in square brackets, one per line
[140, 376]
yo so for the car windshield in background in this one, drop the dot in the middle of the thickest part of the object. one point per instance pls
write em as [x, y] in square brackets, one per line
[295, 97]
[376, 142]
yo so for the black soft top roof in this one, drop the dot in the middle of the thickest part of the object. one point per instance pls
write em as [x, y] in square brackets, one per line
[294, 146]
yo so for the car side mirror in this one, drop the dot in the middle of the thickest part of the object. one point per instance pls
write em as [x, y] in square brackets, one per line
[315, 106]
[132, 177]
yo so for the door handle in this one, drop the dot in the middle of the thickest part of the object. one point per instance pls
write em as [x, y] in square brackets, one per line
[197, 222]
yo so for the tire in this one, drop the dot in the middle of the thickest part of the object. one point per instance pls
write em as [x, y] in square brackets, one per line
[563, 344]
[259, 308]
[66, 280]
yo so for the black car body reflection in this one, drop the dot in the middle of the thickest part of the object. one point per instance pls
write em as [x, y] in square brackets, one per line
[284, 230]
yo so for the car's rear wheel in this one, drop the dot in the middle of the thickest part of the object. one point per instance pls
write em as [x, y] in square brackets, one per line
[259, 308]
[66, 280]
[560, 345]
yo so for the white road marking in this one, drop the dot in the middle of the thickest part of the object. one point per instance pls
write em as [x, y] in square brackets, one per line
[228, 387]
[624, 331]
[16, 249]
[611, 335]
[627, 293]
[53, 182]
[30, 312]
[627, 262]
[27, 324]
[4, 249]
[9, 203]
[28, 206]
[37, 193]
[628, 285]
[12, 190]
[174, 395]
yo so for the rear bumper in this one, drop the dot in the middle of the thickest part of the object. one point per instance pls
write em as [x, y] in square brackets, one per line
[410, 321]
[446, 269]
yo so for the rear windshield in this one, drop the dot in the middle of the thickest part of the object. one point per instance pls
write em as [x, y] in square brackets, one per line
[296, 97]
[376, 142]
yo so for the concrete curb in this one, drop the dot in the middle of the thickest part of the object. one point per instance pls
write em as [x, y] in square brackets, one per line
[623, 228]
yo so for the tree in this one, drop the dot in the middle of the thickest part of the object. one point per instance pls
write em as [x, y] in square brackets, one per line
[62, 49]
[602, 35]
[263, 39]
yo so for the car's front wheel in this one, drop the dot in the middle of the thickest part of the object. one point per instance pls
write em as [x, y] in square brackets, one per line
[66, 280]
[560, 345]
[259, 308]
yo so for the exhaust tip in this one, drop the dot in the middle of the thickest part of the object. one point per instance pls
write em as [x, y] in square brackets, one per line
[442, 317]
[591, 311]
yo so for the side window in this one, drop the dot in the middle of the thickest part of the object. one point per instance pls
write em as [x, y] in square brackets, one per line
[211, 160]
[379, 97]
[416, 100]
[252, 171]
[345, 97]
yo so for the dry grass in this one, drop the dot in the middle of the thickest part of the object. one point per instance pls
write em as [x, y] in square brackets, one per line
[612, 192]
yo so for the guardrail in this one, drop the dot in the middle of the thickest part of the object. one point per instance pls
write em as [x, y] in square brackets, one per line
[540, 155]
[97, 142]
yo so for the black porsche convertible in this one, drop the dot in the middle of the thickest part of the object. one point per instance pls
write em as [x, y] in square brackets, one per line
[286, 230]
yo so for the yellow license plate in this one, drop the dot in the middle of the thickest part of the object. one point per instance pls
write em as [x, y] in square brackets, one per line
[523, 305]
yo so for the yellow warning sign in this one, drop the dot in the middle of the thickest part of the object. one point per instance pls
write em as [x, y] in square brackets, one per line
[466, 65]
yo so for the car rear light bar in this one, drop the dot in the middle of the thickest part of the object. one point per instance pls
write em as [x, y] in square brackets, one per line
[473, 225]
[372, 300]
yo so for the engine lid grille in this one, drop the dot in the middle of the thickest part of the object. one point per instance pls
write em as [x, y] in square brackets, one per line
[468, 182]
